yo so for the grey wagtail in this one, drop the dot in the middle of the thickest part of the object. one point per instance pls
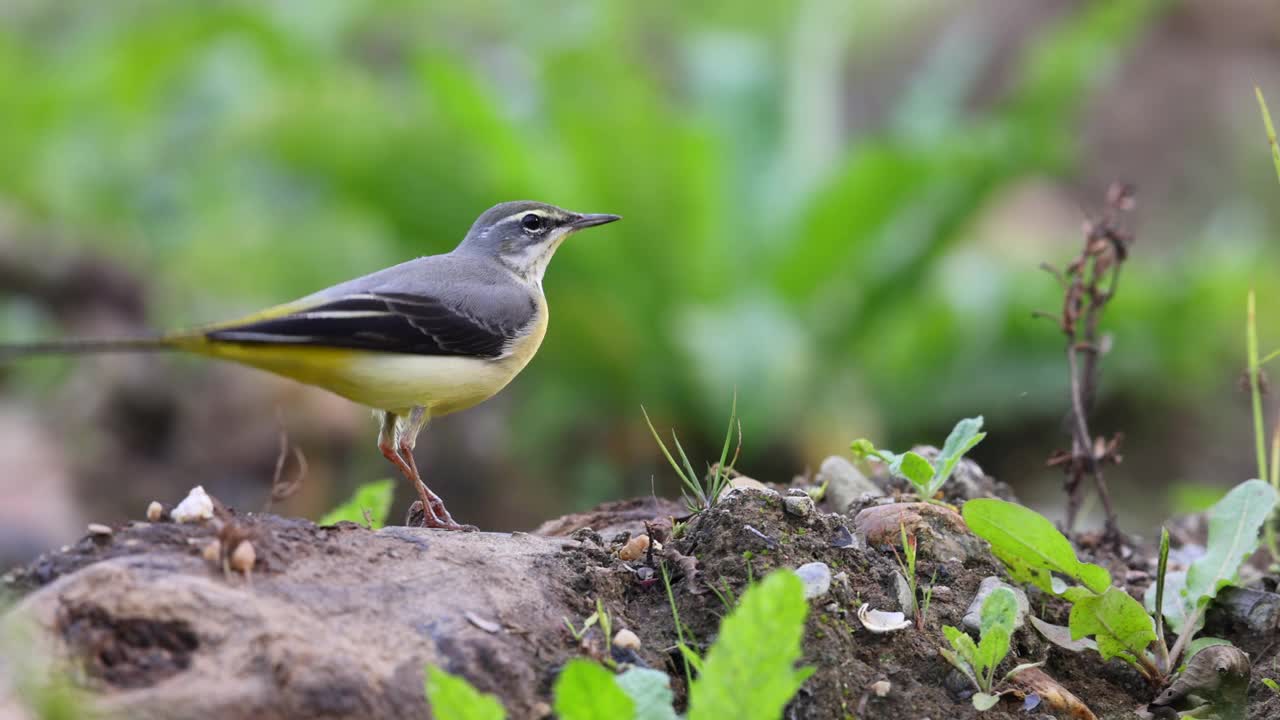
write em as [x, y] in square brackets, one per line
[418, 340]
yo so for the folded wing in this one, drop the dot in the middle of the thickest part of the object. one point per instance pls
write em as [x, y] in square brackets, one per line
[382, 322]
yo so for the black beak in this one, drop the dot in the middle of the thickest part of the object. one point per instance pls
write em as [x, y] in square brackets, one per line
[592, 220]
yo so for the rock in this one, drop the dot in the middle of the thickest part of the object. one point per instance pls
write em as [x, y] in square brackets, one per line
[176, 635]
[98, 529]
[798, 505]
[155, 511]
[742, 483]
[626, 640]
[881, 688]
[195, 507]
[816, 577]
[939, 531]
[1258, 610]
[973, 616]
[635, 548]
[844, 482]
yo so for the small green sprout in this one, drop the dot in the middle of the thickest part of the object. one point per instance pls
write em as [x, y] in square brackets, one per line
[978, 661]
[926, 477]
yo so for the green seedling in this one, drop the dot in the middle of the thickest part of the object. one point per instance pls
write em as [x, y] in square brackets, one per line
[579, 633]
[1105, 618]
[1275, 687]
[978, 662]
[749, 673]
[907, 569]
[701, 494]
[926, 477]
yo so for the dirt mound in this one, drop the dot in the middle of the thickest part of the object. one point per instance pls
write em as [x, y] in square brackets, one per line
[338, 622]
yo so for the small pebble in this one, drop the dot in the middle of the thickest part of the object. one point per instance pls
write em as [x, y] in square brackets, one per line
[488, 626]
[798, 505]
[635, 548]
[626, 640]
[243, 557]
[816, 577]
[212, 552]
[155, 511]
[99, 530]
[973, 616]
[196, 506]
[881, 688]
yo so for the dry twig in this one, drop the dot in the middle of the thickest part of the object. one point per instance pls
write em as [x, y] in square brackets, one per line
[1089, 282]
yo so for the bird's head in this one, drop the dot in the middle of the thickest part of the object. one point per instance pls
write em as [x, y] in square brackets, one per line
[523, 235]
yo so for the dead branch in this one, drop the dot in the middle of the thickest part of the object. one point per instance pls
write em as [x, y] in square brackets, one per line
[1089, 282]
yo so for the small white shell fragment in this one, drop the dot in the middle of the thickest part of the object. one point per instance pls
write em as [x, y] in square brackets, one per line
[195, 507]
[880, 622]
[881, 688]
[155, 511]
[99, 529]
[626, 640]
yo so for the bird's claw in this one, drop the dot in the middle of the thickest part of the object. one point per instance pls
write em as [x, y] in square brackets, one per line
[417, 518]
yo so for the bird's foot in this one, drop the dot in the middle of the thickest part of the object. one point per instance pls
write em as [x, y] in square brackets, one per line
[417, 518]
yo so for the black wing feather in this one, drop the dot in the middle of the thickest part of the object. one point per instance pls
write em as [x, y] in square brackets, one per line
[389, 322]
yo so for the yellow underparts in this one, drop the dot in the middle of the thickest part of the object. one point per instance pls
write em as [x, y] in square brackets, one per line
[386, 381]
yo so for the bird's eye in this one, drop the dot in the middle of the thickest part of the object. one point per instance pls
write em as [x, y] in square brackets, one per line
[531, 222]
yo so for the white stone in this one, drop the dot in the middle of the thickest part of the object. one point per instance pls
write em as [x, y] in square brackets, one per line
[816, 577]
[197, 506]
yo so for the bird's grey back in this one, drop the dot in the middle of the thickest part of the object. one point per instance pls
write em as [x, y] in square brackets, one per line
[473, 285]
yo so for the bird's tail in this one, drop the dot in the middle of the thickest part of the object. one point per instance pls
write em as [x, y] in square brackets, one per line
[18, 351]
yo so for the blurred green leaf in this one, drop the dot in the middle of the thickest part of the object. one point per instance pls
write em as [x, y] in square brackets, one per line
[453, 698]
[587, 691]
[373, 497]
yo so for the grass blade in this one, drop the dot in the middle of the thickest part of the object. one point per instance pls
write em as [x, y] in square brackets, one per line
[1271, 130]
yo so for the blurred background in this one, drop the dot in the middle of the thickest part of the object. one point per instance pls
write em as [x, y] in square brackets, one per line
[836, 208]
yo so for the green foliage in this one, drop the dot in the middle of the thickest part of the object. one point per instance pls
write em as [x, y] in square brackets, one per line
[699, 495]
[750, 672]
[1035, 552]
[1234, 524]
[320, 144]
[372, 497]
[1031, 548]
[978, 661]
[1119, 624]
[453, 698]
[927, 478]
[587, 691]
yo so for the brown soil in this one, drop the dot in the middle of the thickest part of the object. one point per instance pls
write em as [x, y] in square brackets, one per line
[339, 621]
